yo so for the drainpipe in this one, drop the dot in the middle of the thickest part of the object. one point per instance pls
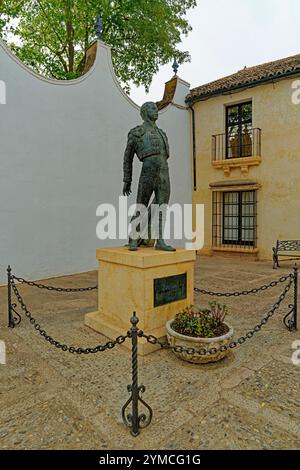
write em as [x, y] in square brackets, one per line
[190, 105]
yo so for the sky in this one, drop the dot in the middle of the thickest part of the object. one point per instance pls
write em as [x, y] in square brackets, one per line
[229, 35]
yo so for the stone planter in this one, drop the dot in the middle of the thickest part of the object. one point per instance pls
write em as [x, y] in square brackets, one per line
[177, 339]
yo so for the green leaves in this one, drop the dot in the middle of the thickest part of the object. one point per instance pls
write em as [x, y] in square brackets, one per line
[53, 36]
[201, 322]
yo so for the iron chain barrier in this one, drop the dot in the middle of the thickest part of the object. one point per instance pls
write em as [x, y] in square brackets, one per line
[57, 344]
[57, 289]
[291, 318]
[255, 290]
[133, 419]
[233, 344]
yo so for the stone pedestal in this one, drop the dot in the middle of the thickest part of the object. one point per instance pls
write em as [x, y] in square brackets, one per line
[155, 284]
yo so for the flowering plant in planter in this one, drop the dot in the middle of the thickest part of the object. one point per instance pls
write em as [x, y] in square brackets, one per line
[200, 328]
[202, 323]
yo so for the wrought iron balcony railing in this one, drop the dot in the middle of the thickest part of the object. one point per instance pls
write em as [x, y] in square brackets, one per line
[236, 145]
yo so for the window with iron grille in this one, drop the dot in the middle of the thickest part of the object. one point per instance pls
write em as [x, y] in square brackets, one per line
[234, 219]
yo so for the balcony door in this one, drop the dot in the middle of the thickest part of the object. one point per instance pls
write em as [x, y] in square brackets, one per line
[239, 130]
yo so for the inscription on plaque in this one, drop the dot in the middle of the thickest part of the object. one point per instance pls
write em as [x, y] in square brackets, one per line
[169, 289]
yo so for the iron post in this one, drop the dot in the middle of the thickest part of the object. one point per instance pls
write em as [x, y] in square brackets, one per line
[11, 323]
[296, 297]
[133, 419]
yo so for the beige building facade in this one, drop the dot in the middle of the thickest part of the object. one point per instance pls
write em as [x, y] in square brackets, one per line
[247, 158]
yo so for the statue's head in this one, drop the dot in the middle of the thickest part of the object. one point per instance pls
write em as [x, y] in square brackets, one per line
[149, 111]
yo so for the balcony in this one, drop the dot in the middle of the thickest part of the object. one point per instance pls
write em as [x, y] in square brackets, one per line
[236, 151]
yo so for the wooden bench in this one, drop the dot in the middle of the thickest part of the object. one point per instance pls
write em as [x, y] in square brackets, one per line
[289, 248]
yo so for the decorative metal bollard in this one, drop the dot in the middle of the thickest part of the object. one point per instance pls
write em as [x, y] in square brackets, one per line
[133, 419]
[291, 319]
[10, 317]
[14, 317]
[295, 297]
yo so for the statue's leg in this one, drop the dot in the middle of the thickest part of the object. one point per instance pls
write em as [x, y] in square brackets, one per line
[150, 240]
[162, 188]
[145, 190]
[162, 194]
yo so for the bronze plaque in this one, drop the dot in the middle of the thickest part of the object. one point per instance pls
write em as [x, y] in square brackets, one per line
[169, 289]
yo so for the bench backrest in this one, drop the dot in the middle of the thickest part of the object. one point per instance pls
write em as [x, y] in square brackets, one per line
[288, 245]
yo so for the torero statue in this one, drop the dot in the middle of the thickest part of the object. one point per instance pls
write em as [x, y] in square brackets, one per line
[150, 144]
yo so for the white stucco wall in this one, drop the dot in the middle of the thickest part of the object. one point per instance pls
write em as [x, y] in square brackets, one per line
[62, 145]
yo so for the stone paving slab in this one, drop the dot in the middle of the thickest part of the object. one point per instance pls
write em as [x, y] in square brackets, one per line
[50, 424]
[51, 399]
[277, 388]
[227, 426]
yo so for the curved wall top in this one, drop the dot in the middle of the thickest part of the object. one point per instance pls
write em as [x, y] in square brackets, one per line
[62, 145]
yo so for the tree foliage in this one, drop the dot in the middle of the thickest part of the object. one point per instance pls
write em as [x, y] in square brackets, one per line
[52, 36]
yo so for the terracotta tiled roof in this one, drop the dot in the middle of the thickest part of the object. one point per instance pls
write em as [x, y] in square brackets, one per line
[170, 88]
[247, 77]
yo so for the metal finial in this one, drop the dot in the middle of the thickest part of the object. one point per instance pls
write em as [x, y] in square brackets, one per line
[175, 66]
[134, 319]
[98, 27]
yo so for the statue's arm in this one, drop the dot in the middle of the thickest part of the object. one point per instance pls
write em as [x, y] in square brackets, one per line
[168, 149]
[127, 165]
[167, 143]
[128, 159]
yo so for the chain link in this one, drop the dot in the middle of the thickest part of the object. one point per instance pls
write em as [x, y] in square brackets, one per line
[246, 292]
[64, 347]
[233, 344]
[57, 289]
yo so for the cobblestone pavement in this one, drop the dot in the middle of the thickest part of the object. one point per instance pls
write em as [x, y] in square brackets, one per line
[55, 400]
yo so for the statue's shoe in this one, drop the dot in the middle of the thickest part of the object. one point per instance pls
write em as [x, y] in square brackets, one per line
[161, 245]
[133, 245]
